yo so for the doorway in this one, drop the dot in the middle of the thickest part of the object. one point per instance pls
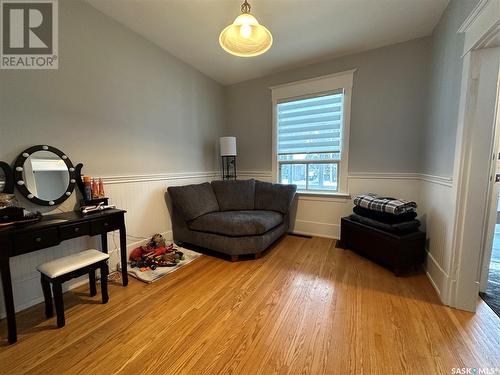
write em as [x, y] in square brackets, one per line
[490, 281]
[475, 153]
[489, 288]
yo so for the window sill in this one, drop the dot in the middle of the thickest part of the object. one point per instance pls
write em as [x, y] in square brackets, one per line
[323, 194]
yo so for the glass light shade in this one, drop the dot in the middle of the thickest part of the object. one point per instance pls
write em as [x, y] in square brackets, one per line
[245, 37]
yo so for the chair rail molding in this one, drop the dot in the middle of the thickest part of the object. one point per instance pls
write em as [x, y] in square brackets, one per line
[142, 196]
[121, 179]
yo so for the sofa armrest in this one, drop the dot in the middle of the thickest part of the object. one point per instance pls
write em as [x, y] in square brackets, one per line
[274, 197]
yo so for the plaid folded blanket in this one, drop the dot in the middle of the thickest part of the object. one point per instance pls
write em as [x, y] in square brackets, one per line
[393, 206]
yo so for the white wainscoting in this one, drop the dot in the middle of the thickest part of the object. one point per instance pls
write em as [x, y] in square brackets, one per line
[320, 215]
[143, 197]
[437, 208]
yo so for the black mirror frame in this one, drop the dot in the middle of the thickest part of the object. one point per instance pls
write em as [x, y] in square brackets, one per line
[21, 186]
[9, 178]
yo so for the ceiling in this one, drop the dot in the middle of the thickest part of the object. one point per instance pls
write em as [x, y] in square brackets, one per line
[304, 31]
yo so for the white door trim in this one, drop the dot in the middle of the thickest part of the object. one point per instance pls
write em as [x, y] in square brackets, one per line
[480, 28]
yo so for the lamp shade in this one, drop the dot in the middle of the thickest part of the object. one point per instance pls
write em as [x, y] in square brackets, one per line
[227, 146]
[245, 37]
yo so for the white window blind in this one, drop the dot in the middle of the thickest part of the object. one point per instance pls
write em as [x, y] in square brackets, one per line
[310, 125]
[311, 120]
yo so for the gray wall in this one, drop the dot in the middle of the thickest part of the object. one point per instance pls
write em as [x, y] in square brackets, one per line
[387, 116]
[118, 103]
[444, 90]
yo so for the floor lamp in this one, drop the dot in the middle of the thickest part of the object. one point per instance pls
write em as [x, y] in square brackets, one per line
[228, 156]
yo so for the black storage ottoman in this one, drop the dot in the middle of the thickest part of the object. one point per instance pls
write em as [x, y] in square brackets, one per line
[399, 253]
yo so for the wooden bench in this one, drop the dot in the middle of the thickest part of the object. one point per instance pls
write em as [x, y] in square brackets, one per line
[400, 253]
[58, 271]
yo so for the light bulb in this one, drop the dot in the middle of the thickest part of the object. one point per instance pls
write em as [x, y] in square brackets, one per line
[245, 30]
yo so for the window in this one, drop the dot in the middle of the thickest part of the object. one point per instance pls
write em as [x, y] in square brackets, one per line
[311, 129]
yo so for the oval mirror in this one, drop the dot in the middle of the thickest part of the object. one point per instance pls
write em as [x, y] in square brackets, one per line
[6, 179]
[44, 175]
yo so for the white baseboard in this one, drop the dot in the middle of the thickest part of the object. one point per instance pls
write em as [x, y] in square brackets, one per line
[312, 228]
[438, 277]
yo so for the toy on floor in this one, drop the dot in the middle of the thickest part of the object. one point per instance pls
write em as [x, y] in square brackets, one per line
[155, 254]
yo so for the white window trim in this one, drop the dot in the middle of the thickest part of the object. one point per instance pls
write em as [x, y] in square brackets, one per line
[318, 85]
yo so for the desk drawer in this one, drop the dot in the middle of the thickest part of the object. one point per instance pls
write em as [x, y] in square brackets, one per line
[105, 225]
[74, 230]
[36, 240]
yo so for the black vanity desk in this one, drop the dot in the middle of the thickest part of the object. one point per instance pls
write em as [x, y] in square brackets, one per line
[51, 231]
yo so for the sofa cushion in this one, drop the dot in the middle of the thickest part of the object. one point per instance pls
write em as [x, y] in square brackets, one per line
[193, 201]
[237, 223]
[275, 197]
[235, 195]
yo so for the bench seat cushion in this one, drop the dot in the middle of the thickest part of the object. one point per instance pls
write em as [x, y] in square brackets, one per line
[70, 263]
[237, 223]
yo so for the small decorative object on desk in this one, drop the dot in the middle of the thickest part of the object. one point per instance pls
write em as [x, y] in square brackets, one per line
[9, 210]
[92, 189]
[95, 208]
[101, 188]
[17, 216]
[95, 189]
[87, 191]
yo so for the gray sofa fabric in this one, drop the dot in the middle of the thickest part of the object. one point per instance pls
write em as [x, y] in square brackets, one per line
[235, 195]
[275, 197]
[237, 223]
[193, 201]
[234, 232]
[237, 245]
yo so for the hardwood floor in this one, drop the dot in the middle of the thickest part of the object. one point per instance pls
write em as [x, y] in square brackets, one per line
[303, 308]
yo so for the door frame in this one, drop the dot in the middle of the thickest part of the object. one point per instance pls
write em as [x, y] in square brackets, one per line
[480, 30]
[492, 207]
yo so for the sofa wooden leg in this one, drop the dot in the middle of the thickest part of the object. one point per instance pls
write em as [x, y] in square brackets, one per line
[234, 258]
[258, 255]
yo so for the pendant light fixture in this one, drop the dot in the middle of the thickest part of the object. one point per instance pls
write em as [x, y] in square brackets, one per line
[245, 37]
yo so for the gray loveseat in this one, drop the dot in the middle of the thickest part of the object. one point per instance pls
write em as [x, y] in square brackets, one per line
[231, 217]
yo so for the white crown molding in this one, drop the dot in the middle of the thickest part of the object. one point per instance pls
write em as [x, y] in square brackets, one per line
[481, 26]
[472, 16]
